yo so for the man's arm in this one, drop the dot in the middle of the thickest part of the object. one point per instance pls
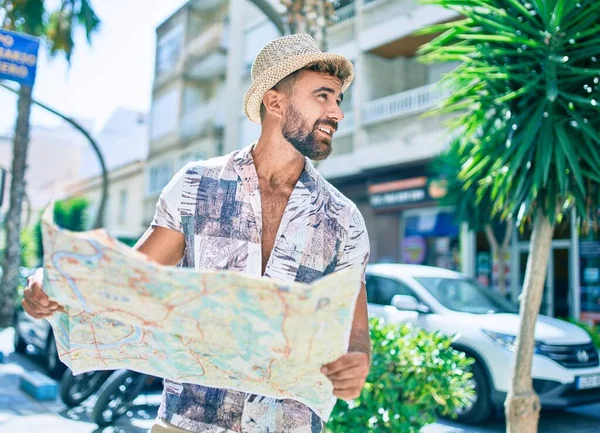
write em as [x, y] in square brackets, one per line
[162, 245]
[360, 338]
[349, 373]
[159, 244]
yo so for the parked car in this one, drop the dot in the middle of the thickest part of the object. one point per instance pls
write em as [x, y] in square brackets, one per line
[565, 370]
[37, 333]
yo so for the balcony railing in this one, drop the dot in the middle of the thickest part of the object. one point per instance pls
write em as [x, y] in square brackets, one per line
[345, 13]
[404, 103]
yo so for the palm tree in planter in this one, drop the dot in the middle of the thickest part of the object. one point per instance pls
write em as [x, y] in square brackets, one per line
[528, 98]
[55, 25]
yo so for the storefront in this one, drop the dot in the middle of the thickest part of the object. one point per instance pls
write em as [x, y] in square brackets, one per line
[407, 225]
[572, 286]
[427, 233]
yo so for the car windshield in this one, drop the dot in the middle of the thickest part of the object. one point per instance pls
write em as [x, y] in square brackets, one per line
[460, 294]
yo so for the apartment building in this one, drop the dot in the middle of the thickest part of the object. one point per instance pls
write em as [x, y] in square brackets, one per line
[187, 115]
[381, 150]
[53, 160]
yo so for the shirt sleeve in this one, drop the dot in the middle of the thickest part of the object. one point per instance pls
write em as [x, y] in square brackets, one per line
[168, 207]
[356, 249]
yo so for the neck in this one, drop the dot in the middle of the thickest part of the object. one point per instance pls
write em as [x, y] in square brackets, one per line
[277, 162]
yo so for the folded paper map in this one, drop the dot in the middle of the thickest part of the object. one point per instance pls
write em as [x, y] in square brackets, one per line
[217, 329]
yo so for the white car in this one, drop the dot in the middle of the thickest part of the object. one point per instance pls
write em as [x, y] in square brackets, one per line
[565, 368]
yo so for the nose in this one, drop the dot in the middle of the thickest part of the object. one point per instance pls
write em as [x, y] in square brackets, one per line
[336, 113]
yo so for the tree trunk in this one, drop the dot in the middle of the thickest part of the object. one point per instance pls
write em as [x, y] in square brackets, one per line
[12, 254]
[309, 16]
[499, 251]
[496, 252]
[522, 405]
[319, 30]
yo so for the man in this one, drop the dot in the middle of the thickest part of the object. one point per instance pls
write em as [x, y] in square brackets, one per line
[263, 210]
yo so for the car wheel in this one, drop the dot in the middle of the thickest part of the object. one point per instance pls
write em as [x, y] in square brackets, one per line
[480, 407]
[53, 363]
[20, 344]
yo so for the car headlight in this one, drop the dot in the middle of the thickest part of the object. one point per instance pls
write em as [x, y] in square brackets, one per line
[507, 341]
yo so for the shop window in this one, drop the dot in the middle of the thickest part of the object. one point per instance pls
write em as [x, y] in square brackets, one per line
[431, 238]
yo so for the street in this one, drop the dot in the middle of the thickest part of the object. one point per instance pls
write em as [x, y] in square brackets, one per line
[19, 412]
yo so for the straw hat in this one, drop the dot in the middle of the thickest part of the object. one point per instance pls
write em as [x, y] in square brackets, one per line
[278, 59]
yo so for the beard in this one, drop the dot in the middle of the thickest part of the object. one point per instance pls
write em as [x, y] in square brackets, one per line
[298, 133]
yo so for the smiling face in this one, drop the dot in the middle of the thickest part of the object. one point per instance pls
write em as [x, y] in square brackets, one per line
[312, 113]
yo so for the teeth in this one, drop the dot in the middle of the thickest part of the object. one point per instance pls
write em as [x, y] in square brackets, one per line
[326, 130]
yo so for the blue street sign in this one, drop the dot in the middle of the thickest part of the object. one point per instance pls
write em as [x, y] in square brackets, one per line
[18, 57]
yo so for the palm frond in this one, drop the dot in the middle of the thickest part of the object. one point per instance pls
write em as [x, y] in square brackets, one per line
[527, 100]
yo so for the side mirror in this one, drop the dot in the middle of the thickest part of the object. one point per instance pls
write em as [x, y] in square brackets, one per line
[408, 303]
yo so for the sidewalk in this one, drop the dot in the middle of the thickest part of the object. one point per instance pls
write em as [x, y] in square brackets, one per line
[20, 413]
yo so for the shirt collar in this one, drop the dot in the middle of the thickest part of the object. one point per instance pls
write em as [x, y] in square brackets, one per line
[244, 166]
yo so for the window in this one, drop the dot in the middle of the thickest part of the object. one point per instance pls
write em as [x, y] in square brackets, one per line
[165, 114]
[122, 206]
[169, 51]
[465, 296]
[381, 290]
[193, 155]
[159, 177]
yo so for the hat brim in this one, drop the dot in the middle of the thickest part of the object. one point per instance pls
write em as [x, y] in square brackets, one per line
[273, 75]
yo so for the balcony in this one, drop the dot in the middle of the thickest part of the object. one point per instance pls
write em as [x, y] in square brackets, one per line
[204, 6]
[387, 26]
[341, 32]
[200, 120]
[345, 13]
[205, 55]
[404, 103]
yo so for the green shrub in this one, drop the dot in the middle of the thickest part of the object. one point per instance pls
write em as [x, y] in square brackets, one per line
[70, 214]
[29, 257]
[592, 330]
[415, 375]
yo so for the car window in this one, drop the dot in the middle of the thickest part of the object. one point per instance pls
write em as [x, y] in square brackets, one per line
[381, 290]
[464, 295]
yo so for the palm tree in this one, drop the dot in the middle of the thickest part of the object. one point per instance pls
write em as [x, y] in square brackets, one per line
[56, 28]
[301, 16]
[309, 16]
[461, 194]
[528, 98]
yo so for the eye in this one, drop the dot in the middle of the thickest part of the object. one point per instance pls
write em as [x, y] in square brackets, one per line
[323, 95]
[339, 102]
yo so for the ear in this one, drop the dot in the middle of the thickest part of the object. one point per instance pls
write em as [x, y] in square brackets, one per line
[274, 102]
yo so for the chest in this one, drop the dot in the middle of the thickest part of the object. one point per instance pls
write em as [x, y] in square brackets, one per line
[272, 233]
[273, 205]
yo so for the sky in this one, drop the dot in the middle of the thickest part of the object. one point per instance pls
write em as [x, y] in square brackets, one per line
[116, 70]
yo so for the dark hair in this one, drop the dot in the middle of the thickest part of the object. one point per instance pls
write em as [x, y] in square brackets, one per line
[286, 85]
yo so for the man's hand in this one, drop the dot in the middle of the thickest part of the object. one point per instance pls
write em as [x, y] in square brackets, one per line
[348, 374]
[36, 302]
